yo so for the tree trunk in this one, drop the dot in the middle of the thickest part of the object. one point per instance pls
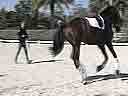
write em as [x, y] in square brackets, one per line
[35, 19]
[52, 9]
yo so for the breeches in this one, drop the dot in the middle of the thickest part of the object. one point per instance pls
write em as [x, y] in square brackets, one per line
[23, 44]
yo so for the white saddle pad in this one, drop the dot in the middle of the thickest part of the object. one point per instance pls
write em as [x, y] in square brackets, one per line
[94, 23]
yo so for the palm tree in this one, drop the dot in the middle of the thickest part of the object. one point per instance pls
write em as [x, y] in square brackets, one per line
[51, 3]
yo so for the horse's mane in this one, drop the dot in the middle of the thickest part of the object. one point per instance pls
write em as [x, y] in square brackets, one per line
[107, 10]
[113, 13]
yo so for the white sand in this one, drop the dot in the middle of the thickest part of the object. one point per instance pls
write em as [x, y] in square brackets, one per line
[59, 78]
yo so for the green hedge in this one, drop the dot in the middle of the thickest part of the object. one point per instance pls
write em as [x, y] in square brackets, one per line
[33, 34]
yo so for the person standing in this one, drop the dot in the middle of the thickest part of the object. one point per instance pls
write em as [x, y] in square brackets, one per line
[93, 13]
[22, 37]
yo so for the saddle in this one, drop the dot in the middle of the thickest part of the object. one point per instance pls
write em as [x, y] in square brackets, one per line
[96, 21]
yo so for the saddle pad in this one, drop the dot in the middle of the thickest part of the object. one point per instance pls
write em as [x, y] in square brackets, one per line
[94, 23]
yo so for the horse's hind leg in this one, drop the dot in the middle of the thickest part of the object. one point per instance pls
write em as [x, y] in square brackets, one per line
[103, 50]
[75, 51]
[110, 46]
[75, 55]
[72, 54]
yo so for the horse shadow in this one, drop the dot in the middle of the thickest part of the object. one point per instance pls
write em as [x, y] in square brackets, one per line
[96, 78]
[2, 75]
[43, 61]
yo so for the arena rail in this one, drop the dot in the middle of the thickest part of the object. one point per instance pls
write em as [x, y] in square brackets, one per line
[50, 42]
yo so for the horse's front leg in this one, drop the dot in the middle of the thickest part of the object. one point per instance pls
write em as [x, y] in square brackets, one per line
[80, 67]
[117, 66]
[103, 50]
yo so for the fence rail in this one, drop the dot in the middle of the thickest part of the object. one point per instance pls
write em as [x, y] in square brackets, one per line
[47, 35]
[51, 42]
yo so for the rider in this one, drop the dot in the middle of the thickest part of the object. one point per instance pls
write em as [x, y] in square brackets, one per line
[100, 34]
[93, 13]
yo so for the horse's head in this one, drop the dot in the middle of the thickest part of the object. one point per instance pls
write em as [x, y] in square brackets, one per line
[114, 15]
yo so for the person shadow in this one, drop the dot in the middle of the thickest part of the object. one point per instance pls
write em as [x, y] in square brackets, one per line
[97, 78]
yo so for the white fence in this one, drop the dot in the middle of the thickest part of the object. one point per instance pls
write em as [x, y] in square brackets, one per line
[50, 42]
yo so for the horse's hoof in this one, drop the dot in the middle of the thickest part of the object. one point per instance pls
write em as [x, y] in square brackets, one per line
[16, 61]
[29, 61]
[77, 66]
[99, 68]
[117, 72]
[85, 82]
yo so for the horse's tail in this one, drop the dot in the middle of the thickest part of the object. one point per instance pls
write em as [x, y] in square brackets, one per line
[58, 40]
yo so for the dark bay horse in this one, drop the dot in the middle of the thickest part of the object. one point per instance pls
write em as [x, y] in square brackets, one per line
[78, 30]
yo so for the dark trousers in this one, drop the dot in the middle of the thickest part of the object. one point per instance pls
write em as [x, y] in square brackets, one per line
[22, 45]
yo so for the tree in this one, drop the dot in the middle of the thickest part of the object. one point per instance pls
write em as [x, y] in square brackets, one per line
[51, 3]
[23, 8]
[11, 19]
[3, 13]
[8, 19]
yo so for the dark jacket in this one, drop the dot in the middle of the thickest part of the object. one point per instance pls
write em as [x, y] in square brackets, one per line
[108, 23]
[22, 35]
